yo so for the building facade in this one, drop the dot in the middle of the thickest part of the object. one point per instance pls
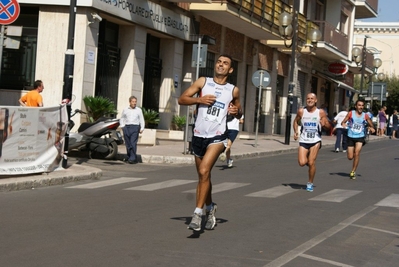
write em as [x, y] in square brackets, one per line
[146, 49]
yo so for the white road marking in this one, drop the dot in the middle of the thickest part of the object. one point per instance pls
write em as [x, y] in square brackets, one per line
[390, 201]
[221, 187]
[376, 229]
[106, 183]
[336, 195]
[298, 251]
[273, 192]
[324, 260]
[161, 185]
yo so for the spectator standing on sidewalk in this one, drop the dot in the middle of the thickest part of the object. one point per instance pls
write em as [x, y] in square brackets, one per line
[357, 120]
[233, 127]
[210, 132]
[132, 123]
[382, 118]
[312, 121]
[341, 133]
[394, 123]
[33, 98]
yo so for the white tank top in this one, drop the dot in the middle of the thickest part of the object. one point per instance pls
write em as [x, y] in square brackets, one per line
[211, 120]
[311, 128]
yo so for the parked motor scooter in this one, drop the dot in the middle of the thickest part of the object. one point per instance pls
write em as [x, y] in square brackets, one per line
[100, 138]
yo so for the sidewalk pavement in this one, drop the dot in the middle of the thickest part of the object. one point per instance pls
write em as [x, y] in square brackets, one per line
[165, 152]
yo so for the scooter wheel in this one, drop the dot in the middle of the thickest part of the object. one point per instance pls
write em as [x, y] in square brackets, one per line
[112, 152]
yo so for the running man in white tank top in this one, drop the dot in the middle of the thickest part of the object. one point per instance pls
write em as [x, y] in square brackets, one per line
[216, 99]
[311, 120]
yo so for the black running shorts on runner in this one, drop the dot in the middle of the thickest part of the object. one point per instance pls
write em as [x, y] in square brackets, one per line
[352, 141]
[200, 144]
[308, 146]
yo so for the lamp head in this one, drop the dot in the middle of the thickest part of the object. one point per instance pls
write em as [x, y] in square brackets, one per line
[314, 35]
[285, 19]
[377, 63]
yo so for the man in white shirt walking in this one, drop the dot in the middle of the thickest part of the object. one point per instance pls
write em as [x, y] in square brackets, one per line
[132, 123]
[341, 132]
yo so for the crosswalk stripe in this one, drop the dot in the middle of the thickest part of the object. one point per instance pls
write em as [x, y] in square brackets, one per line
[221, 187]
[390, 201]
[106, 183]
[161, 185]
[273, 192]
[336, 195]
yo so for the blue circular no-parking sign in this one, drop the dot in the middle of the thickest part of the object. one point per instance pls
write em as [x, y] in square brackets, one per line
[9, 11]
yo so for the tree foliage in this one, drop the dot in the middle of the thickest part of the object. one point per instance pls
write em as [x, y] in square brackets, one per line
[392, 102]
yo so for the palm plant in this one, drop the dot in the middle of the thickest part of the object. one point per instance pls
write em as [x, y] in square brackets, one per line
[98, 106]
[151, 118]
[179, 122]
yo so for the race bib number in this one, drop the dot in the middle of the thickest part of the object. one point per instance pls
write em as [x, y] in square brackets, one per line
[310, 135]
[358, 128]
[214, 112]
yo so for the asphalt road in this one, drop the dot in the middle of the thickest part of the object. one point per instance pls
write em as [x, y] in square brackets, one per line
[137, 215]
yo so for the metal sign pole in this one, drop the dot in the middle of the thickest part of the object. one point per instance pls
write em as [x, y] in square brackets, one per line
[258, 110]
[1, 47]
[189, 107]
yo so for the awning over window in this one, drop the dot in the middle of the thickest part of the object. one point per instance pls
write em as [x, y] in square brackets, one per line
[340, 84]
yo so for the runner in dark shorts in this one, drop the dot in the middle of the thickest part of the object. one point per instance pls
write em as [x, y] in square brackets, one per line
[200, 144]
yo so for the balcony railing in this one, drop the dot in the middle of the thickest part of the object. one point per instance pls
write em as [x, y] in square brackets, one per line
[333, 37]
[268, 11]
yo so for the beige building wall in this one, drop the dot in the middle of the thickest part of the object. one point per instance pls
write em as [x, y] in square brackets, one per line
[383, 40]
[51, 49]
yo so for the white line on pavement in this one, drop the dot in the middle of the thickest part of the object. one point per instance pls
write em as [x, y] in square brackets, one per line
[324, 260]
[273, 192]
[289, 256]
[390, 201]
[161, 185]
[106, 183]
[336, 195]
[221, 187]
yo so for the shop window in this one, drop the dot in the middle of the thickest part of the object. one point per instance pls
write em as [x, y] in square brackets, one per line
[18, 65]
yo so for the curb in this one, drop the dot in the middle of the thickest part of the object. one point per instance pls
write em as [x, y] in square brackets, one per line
[72, 174]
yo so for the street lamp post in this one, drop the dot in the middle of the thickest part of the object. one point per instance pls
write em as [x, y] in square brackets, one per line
[380, 77]
[286, 22]
[290, 31]
[68, 73]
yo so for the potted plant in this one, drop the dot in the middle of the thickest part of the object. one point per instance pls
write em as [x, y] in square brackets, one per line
[179, 122]
[98, 106]
[151, 118]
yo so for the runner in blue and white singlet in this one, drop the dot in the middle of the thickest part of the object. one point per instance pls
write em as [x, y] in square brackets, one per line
[356, 121]
[311, 128]
[356, 125]
[211, 120]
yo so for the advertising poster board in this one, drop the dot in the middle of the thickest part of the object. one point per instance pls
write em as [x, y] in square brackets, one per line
[31, 139]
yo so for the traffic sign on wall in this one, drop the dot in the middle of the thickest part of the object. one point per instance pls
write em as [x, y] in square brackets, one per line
[9, 11]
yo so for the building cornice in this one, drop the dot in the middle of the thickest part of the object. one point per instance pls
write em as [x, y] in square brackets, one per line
[377, 26]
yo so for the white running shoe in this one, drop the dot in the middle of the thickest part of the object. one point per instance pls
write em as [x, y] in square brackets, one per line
[230, 163]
